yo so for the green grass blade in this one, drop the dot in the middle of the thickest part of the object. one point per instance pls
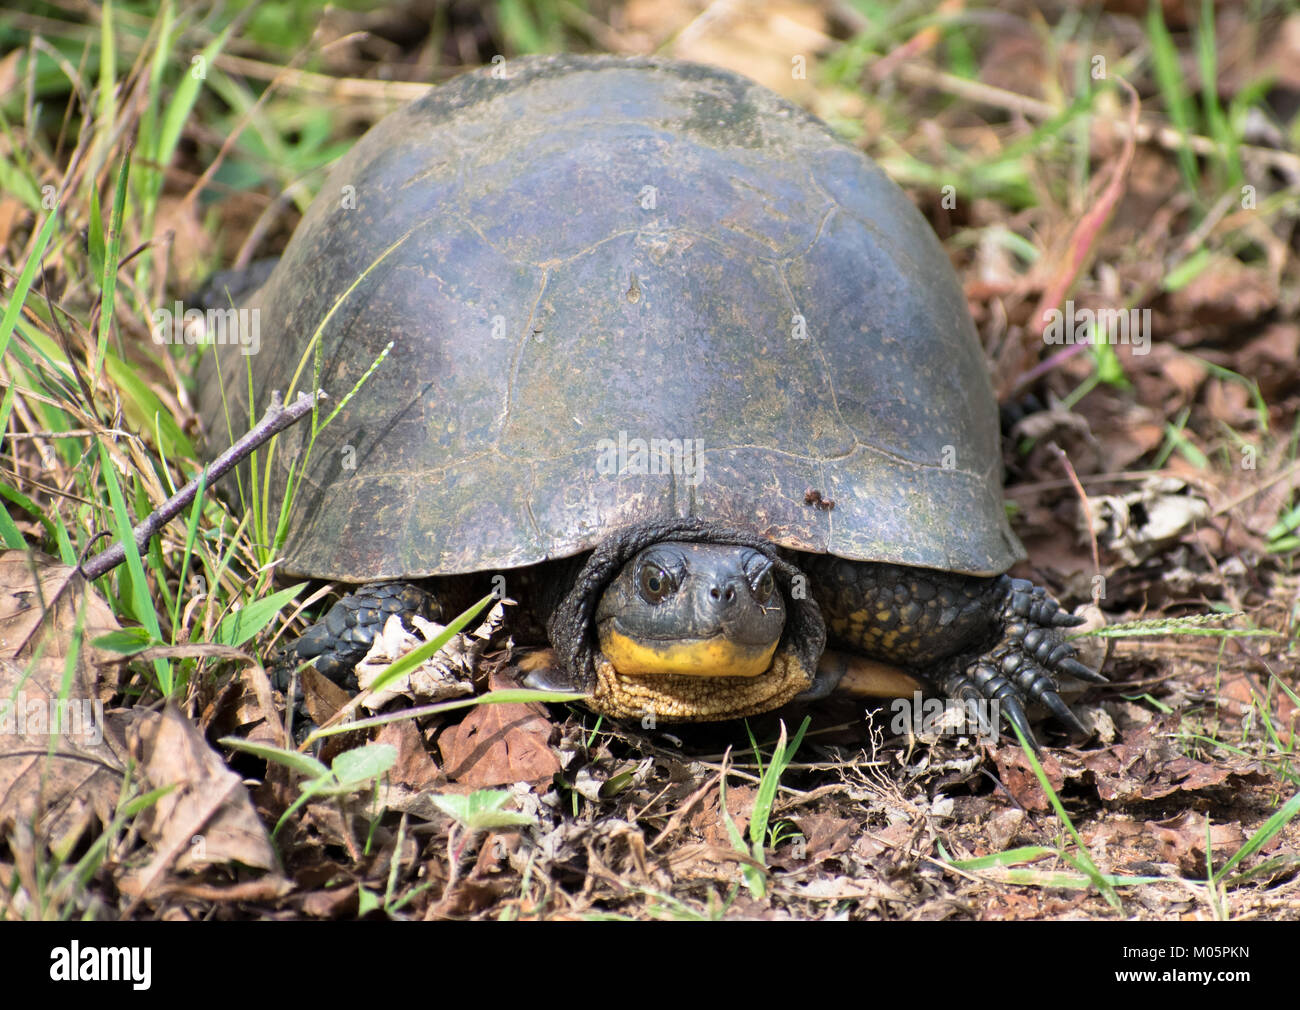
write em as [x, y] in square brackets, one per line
[1173, 91]
[753, 877]
[768, 784]
[141, 602]
[303, 764]
[183, 99]
[1215, 120]
[508, 696]
[239, 626]
[418, 655]
[108, 279]
[191, 535]
[1266, 831]
[1085, 860]
[17, 297]
[9, 531]
[1010, 857]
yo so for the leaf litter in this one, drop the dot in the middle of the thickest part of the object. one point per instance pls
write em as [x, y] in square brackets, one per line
[1195, 736]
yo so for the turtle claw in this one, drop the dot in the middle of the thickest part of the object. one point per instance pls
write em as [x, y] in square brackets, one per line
[982, 680]
[1077, 670]
[1015, 714]
[541, 671]
[540, 680]
[1024, 664]
[1031, 602]
[1062, 711]
[1032, 652]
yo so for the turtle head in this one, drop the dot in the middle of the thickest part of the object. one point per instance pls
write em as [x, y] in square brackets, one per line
[685, 620]
[692, 609]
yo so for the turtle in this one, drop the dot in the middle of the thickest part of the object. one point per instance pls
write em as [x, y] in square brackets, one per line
[684, 372]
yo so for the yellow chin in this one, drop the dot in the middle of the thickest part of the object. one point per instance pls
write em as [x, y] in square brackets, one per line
[700, 657]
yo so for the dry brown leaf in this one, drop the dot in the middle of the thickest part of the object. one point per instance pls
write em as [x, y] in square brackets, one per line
[208, 816]
[234, 706]
[498, 744]
[707, 819]
[61, 760]
[189, 243]
[1018, 776]
[1228, 402]
[894, 838]
[9, 70]
[1226, 292]
[11, 212]
[1273, 360]
[774, 42]
[825, 835]
[414, 767]
[330, 904]
[1182, 839]
[321, 696]
[1146, 768]
[1185, 373]
[1016, 61]
[66, 779]
[30, 582]
[1014, 906]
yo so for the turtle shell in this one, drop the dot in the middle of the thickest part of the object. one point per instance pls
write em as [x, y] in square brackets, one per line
[616, 291]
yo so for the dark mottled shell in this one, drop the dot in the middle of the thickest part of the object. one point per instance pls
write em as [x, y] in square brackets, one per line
[597, 250]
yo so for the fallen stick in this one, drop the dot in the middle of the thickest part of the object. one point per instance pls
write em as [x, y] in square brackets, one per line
[275, 420]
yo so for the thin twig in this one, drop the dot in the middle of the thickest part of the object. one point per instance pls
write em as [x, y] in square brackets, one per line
[15, 436]
[1080, 248]
[275, 420]
[1161, 134]
[1086, 506]
[1232, 503]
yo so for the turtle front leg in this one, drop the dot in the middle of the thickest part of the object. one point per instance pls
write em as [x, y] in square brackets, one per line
[971, 638]
[340, 640]
[1024, 663]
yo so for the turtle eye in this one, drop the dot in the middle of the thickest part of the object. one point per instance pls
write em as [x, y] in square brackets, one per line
[765, 586]
[656, 584]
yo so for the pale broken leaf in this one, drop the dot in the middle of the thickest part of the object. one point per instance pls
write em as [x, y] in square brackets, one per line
[1138, 524]
[448, 674]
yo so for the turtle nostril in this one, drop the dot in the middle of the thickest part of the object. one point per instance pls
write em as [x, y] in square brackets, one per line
[720, 594]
